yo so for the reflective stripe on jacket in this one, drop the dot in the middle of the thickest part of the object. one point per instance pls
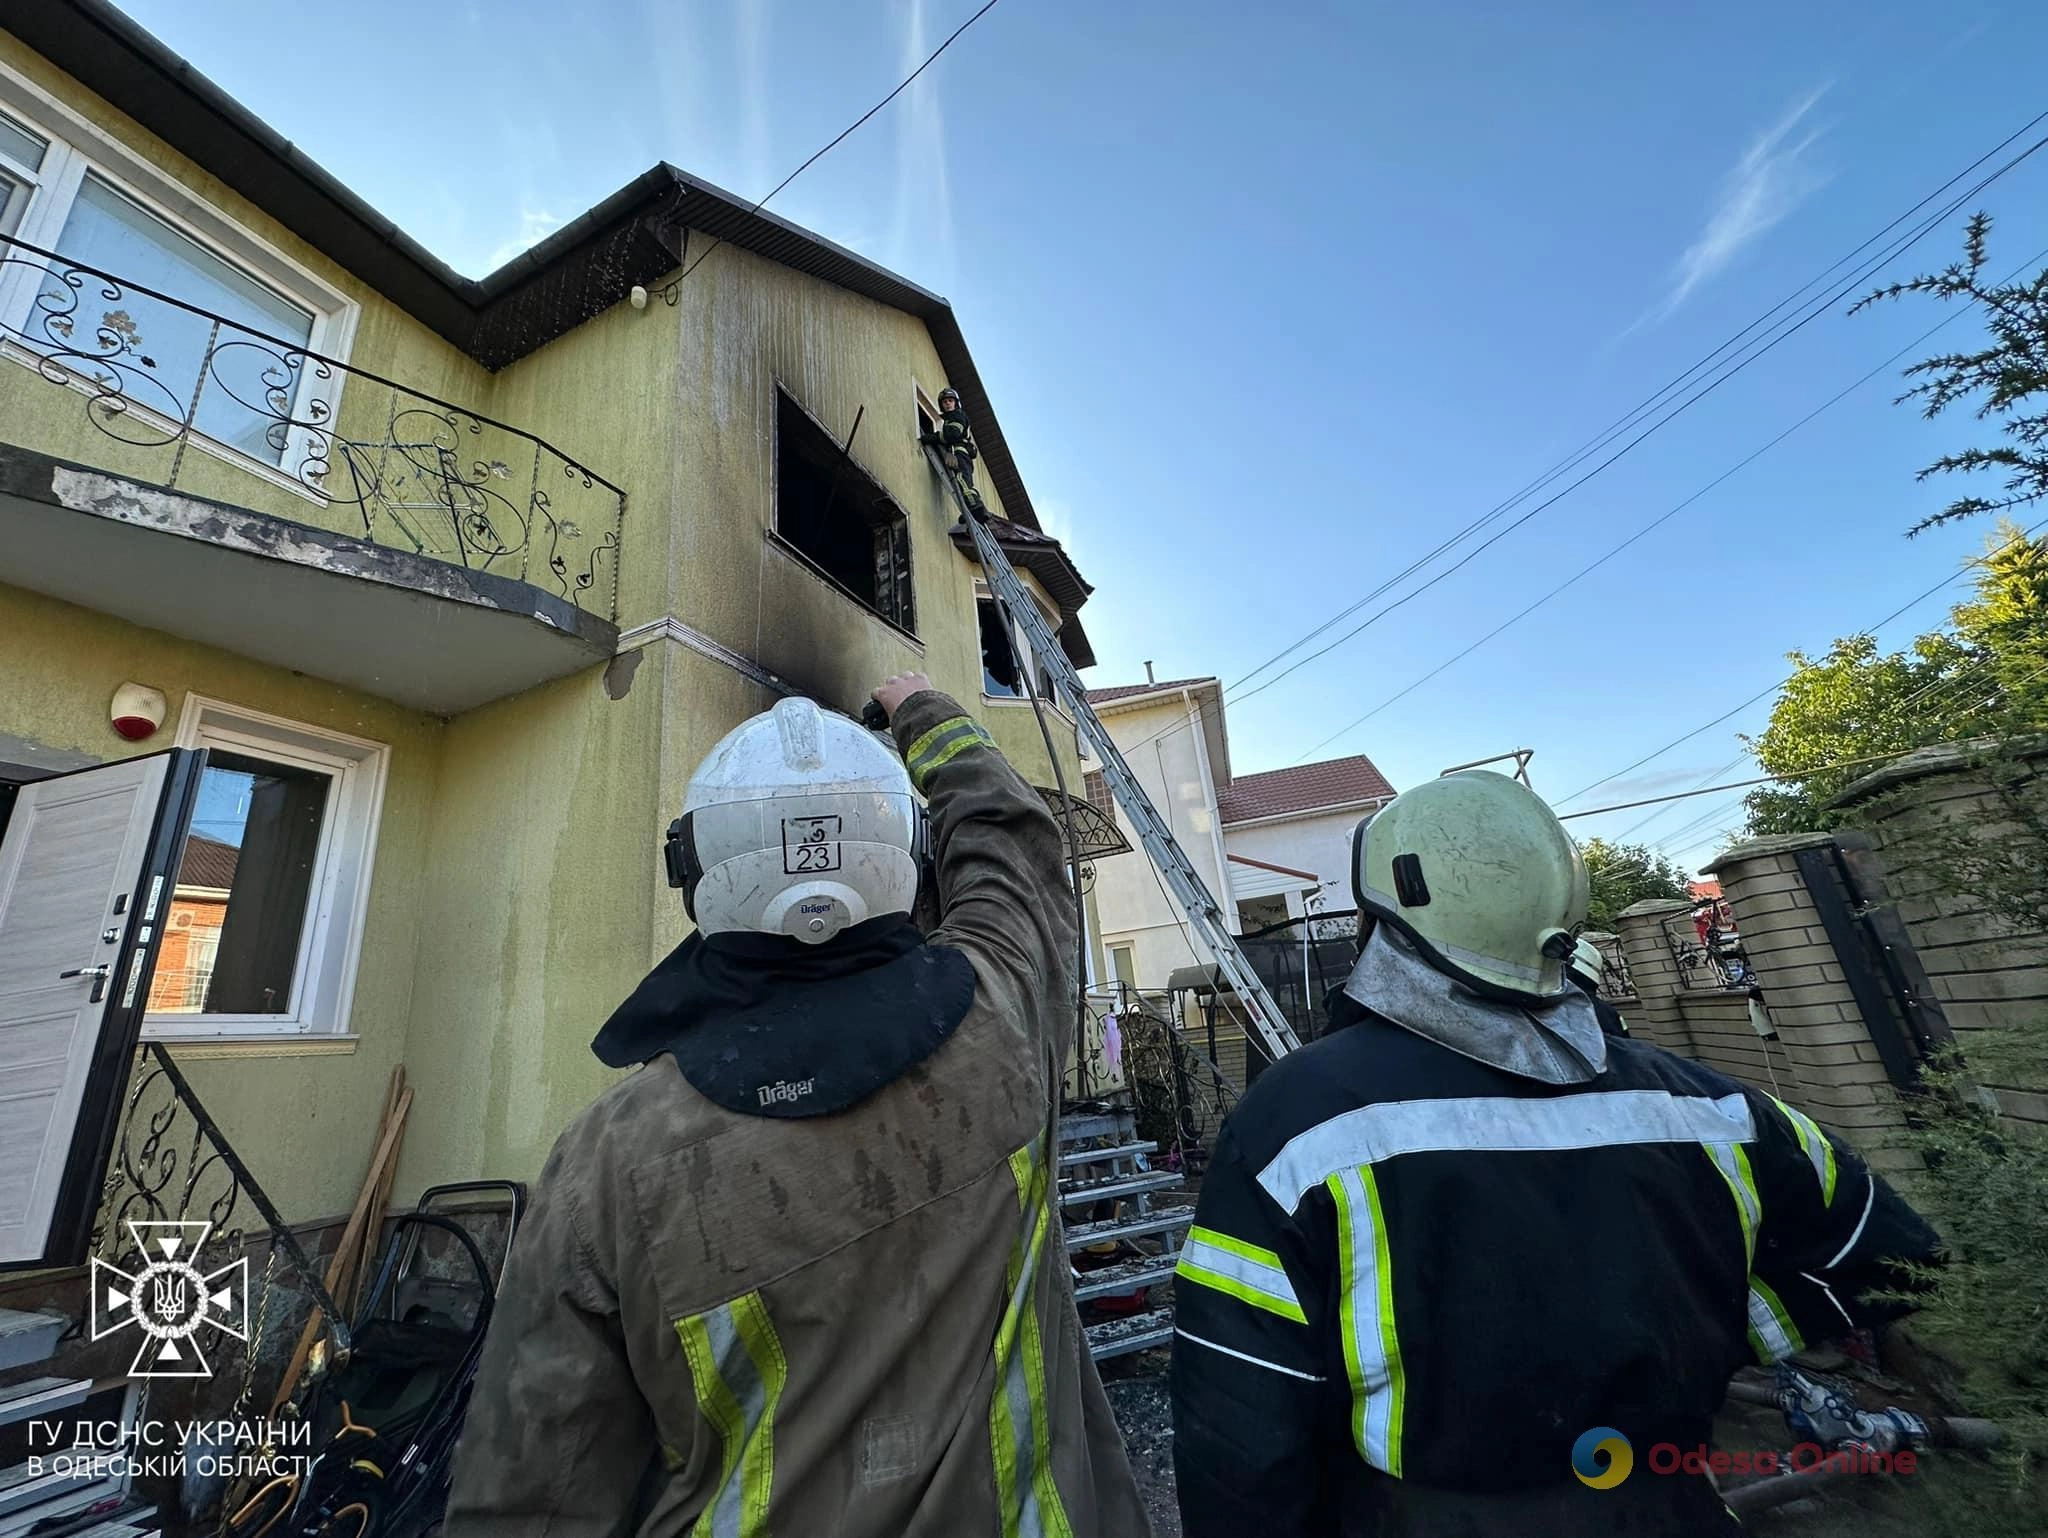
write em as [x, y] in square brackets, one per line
[735, 1327]
[1417, 1281]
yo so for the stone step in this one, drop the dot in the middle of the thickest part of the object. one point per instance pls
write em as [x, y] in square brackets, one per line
[1093, 1124]
[1103, 1155]
[1124, 1277]
[41, 1396]
[1118, 1187]
[28, 1337]
[1116, 1337]
[1082, 1235]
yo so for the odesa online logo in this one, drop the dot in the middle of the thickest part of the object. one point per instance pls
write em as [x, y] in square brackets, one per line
[1602, 1458]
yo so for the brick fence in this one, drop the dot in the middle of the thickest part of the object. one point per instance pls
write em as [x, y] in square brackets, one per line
[1823, 1058]
[1986, 972]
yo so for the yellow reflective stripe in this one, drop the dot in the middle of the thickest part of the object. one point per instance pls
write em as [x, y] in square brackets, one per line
[771, 1367]
[1372, 1349]
[1771, 1332]
[1020, 1428]
[738, 1371]
[1733, 1163]
[1252, 1252]
[1820, 1153]
[923, 744]
[941, 745]
[718, 1406]
[1239, 1270]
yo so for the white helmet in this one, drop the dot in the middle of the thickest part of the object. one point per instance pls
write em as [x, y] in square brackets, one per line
[1480, 875]
[801, 823]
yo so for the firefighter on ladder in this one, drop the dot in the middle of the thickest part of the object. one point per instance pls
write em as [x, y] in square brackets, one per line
[954, 439]
[1460, 1262]
[802, 1273]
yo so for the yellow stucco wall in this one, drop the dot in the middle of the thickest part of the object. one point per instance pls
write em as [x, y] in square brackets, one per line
[303, 1122]
[517, 894]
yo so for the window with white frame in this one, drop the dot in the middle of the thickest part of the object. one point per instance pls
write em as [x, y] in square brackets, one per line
[264, 925]
[1005, 648]
[211, 323]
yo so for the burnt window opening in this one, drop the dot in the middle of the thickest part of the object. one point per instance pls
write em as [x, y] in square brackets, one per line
[927, 416]
[1002, 650]
[833, 513]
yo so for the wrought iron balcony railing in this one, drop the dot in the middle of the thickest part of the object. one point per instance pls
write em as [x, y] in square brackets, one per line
[287, 431]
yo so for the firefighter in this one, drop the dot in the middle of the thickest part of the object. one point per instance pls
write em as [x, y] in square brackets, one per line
[1585, 968]
[802, 1272]
[954, 439]
[1461, 1263]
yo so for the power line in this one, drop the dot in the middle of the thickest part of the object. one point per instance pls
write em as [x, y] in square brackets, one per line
[1648, 404]
[844, 134]
[1754, 351]
[1914, 602]
[1817, 309]
[1769, 779]
[1659, 521]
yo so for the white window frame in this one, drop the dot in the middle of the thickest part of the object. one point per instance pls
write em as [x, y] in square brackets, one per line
[337, 898]
[983, 593]
[78, 146]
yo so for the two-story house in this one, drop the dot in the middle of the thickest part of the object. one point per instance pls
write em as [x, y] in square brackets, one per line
[1272, 846]
[454, 579]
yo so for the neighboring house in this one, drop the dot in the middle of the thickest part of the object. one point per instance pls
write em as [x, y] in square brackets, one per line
[455, 579]
[1287, 835]
[1270, 846]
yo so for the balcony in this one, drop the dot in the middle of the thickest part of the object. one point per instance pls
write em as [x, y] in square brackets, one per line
[167, 464]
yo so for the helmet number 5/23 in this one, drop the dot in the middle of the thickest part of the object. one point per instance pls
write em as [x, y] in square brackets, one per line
[810, 844]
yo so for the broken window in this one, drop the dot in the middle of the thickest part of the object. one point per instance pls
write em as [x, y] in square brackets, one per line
[1003, 647]
[832, 512]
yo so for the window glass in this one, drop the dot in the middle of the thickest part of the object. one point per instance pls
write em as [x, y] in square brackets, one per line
[13, 199]
[251, 387]
[17, 144]
[238, 911]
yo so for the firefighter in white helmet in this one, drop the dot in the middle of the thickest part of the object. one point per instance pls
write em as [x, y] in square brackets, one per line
[1457, 1257]
[802, 1272]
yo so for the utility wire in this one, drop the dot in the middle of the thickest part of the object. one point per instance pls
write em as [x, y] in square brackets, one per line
[1642, 408]
[1912, 603]
[1817, 309]
[1660, 521]
[1754, 350]
[844, 134]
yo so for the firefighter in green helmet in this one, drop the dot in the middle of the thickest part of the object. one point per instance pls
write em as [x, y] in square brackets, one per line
[1453, 1254]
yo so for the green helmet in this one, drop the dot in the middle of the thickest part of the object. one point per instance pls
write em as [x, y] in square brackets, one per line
[1479, 874]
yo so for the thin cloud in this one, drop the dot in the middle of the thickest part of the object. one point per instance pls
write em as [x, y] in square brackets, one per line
[535, 225]
[751, 38]
[924, 195]
[1771, 179]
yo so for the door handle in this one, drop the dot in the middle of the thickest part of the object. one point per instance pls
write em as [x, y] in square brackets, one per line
[99, 976]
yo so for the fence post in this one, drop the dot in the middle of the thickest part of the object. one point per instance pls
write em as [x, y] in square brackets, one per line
[1843, 1080]
[1654, 971]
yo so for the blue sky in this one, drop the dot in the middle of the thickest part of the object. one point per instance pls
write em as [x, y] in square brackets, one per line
[1273, 299]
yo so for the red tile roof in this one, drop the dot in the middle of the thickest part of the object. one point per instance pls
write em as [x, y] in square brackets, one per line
[208, 863]
[1125, 691]
[1304, 788]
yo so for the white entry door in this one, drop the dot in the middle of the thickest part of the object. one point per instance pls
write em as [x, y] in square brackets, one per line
[84, 865]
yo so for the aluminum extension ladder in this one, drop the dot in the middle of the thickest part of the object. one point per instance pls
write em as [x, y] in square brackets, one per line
[1153, 832]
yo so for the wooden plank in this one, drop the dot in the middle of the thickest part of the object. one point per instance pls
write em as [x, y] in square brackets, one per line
[351, 1236]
